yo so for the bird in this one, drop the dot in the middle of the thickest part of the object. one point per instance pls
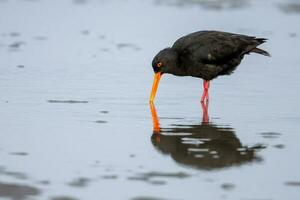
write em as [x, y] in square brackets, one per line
[204, 54]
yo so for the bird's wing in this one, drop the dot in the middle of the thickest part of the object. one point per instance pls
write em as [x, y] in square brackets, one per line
[214, 47]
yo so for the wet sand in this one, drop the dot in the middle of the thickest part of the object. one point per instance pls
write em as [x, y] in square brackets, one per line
[75, 120]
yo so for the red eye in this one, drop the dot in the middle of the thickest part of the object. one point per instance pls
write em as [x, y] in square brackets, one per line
[159, 64]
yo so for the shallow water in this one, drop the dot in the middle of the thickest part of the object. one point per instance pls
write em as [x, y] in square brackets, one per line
[75, 120]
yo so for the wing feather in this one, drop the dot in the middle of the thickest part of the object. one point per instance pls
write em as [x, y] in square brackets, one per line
[214, 47]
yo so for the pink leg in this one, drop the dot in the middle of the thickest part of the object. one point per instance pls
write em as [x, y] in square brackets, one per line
[204, 91]
[205, 95]
[205, 117]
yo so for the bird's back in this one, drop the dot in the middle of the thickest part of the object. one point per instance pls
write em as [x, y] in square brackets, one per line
[207, 54]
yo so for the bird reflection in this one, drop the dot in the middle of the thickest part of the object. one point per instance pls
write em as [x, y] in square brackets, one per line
[204, 146]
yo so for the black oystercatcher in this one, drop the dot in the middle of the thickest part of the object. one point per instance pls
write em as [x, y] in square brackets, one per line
[206, 55]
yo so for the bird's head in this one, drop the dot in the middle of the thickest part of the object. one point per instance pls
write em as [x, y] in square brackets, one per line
[164, 62]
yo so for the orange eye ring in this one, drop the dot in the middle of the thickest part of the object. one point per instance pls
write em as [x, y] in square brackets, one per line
[159, 64]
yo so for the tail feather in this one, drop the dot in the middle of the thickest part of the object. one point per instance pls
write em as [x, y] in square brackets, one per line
[252, 47]
[260, 51]
[261, 40]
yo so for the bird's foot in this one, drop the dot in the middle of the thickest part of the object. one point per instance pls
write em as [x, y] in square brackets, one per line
[205, 117]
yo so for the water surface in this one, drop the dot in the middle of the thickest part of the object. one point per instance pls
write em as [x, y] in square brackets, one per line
[75, 120]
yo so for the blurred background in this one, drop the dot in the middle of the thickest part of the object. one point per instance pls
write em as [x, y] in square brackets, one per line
[75, 120]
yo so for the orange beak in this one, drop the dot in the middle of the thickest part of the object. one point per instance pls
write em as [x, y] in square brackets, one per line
[155, 85]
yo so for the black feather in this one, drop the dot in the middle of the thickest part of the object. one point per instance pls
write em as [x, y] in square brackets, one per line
[208, 54]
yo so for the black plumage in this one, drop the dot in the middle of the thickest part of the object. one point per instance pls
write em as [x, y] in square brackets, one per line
[206, 54]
